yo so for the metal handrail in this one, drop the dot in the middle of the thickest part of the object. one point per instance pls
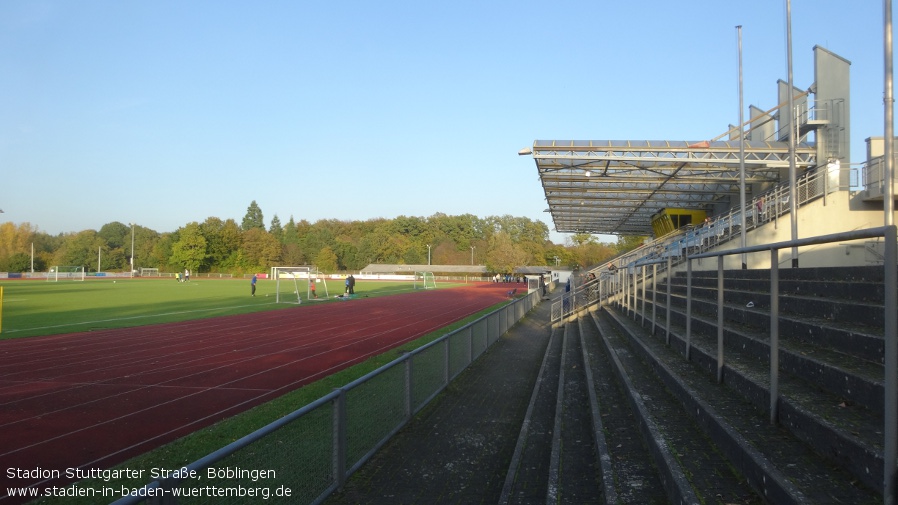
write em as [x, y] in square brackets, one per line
[890, 331]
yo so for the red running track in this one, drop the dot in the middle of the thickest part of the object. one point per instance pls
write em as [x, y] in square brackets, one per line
[92, 400]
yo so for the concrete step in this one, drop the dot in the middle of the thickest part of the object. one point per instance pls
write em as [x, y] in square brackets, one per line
[780, 464]
[833, 359]
[527, 479]
[692, 468]
[861, 315]
[574, 476]
[628, 472]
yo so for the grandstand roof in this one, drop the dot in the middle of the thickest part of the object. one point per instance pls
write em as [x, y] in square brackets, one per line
[616, 186]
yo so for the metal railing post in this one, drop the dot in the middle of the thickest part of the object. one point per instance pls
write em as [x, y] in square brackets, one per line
[654, 294]
[471, 339]
[447, 362]
[644, 281]
[339, 434]
[667, 305]
[890, 334]
[409, 400]
[719, 319]
[774, 334]
[688, 305]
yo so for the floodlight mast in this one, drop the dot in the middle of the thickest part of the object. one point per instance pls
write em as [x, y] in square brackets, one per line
[131, 274]
[793, 128]
[741, 157]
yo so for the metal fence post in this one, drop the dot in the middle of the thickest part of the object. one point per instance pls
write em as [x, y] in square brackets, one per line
[409, 393]
[167, 497]
[339, 434]
[447, 360]
[471, 339]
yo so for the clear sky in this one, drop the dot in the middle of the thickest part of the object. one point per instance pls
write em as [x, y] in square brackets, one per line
[166, 112]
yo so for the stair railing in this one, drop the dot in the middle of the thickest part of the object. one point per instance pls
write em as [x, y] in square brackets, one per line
[890, 330]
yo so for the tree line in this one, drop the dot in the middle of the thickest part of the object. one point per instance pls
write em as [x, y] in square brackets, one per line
[501, 243]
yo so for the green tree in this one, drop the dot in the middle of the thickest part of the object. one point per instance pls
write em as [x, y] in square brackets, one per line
[276, 230]
[462, 230]
[579, 239]
[260, 250]
[145, 241]
[79, 249]
[21, 262]
[117, 235]
[326, 260]
[18, 239]
[503, 256]
[346, 253]
[291, 235]
[161, 255]
[223, 240]
[253, 217]
[629, 242]
[593, 253]
[189, 251]
[292, 253]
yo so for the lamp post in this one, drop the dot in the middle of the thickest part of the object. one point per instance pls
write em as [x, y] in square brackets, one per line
[132, 251]
[472, 255]
[428, 254]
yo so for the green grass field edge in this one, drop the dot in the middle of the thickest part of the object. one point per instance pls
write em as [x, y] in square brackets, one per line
[38, 308]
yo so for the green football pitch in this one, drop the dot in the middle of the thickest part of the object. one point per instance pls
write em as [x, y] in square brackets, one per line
[33, 307]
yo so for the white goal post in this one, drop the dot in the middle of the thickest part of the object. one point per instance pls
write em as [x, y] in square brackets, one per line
[290, 283]
[74, 273]
[425, 280]
[148, 272]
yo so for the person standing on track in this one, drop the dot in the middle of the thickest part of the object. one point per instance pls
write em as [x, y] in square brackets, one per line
[253, 284]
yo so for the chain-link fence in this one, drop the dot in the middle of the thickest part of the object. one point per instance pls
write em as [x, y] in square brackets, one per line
[303, 457]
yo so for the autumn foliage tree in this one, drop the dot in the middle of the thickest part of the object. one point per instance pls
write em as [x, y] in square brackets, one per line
[501, 243]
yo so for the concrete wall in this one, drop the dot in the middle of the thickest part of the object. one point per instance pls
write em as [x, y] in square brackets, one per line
[840, 211]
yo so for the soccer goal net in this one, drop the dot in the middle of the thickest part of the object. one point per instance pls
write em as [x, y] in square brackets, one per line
[291, 283]
[149, 272]
[425, 280]
[66, 273]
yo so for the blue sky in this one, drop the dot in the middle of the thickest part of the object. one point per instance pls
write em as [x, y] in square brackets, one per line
[167, 112]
